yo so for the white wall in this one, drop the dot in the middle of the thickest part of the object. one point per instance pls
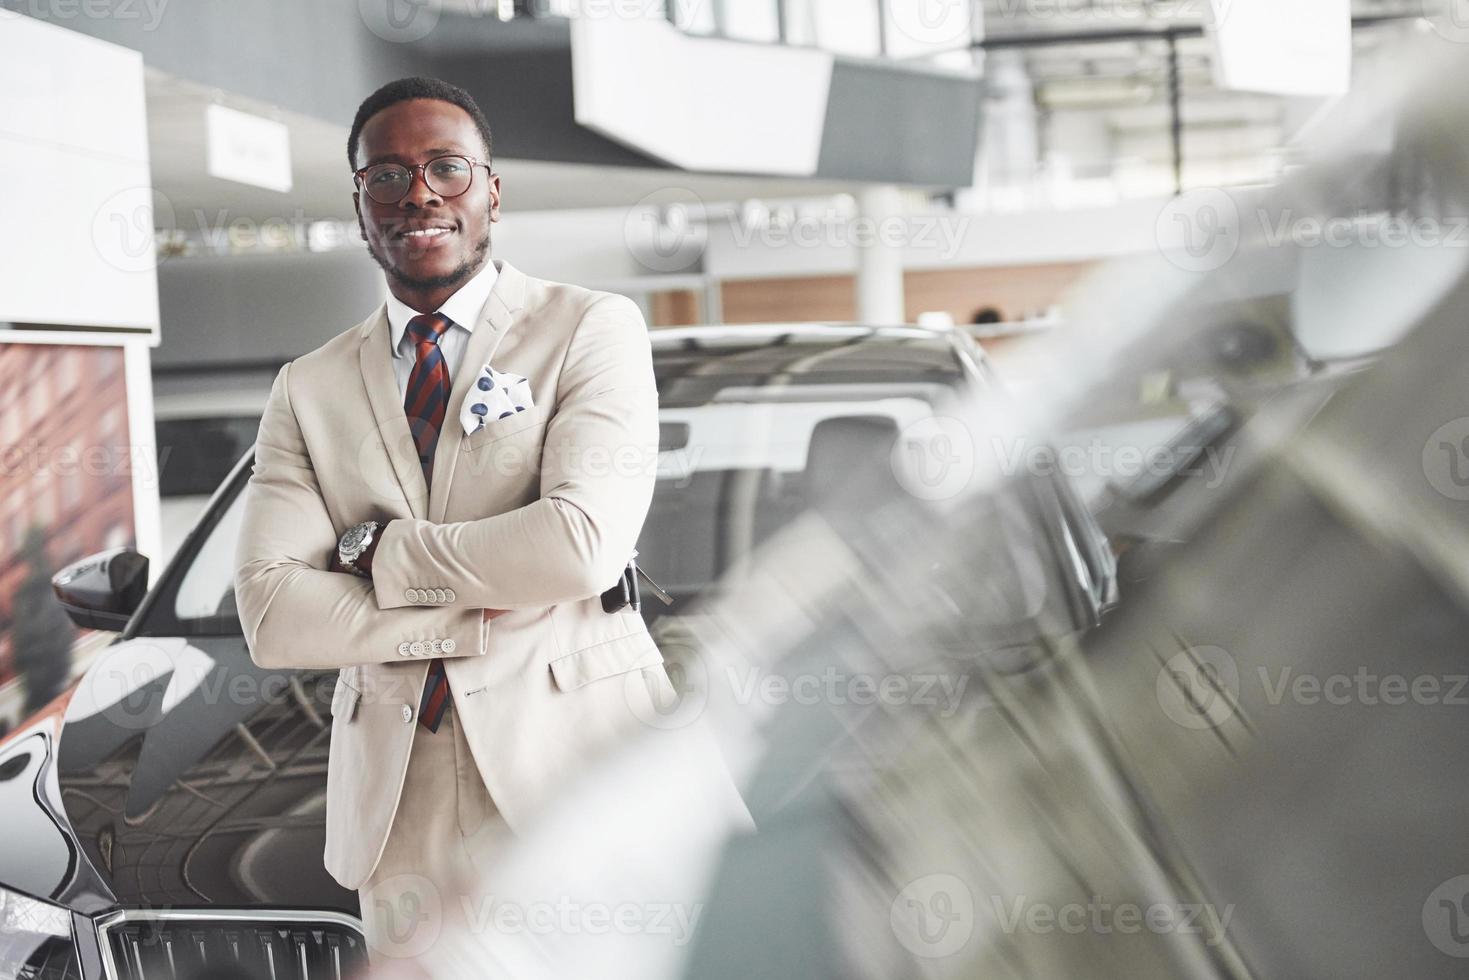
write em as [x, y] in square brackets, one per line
[77, 246]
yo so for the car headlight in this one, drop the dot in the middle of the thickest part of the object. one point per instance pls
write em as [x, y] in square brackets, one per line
[36, 940]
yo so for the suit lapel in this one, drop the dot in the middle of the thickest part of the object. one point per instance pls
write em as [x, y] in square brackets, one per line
[375, 356]
[500, 312]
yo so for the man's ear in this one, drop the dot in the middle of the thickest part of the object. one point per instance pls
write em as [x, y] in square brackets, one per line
[495, 197]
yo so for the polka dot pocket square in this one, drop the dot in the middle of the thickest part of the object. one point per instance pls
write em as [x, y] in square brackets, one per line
[496, 395]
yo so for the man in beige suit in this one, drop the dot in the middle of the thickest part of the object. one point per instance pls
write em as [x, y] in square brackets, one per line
[440, 496]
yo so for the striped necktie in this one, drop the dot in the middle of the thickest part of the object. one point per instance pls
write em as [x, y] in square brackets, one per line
[424, 404]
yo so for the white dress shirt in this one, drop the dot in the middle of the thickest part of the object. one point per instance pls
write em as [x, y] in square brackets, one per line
[463, 308]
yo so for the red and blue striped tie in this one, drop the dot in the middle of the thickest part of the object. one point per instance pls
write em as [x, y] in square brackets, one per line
[424, 404]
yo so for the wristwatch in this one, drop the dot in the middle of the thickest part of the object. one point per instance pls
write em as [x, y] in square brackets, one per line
[354, 543]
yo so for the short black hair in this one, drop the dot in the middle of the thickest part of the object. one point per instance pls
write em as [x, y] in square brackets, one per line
[417, 88]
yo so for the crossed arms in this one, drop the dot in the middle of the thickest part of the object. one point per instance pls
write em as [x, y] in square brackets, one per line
[596, 483]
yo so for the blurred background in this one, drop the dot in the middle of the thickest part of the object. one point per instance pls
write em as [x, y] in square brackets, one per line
[1085, 372]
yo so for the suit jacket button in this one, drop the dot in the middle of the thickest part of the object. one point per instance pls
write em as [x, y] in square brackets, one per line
[416, 648]
[409, 595]
[421, 595]
[448, 595]
[440, 596]
[436, 646]
[403, 649]
[407, 713]
[449, 645]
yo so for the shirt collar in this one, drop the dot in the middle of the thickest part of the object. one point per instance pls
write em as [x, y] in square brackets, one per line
[463, 308]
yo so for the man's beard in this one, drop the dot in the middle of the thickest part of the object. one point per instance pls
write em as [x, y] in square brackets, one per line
[454, 277]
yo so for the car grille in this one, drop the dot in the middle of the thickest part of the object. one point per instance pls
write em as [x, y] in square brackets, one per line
[212, 945]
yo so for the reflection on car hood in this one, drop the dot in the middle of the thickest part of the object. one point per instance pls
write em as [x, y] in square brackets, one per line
[187, 775]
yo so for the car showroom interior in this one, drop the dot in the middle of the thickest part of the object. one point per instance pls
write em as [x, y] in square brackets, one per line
[714, 489]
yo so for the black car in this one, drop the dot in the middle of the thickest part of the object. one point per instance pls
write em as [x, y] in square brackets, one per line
[166, 816]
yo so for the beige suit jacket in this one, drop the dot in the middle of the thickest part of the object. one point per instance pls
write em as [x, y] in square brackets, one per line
[536, 514]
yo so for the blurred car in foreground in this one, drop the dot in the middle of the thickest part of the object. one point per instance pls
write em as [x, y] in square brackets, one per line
[170, 809]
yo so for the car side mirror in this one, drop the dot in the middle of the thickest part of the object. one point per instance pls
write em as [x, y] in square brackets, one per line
[103, 590]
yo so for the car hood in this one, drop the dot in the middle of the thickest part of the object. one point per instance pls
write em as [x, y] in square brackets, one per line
[178, 773]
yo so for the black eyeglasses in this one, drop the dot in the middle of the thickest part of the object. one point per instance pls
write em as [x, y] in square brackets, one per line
[446, 176]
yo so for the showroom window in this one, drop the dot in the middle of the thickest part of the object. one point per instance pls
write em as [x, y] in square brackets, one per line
[71, 485]
[839, 26]
[9, 417]
[751, 20]
[42, 504]
[68, 369]
[40, 396]
[696, 16]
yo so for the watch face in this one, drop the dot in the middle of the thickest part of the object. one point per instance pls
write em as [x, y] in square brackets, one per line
[352, 540]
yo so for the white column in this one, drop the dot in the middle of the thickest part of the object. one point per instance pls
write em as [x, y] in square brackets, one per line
[879, 259]
[143, 455]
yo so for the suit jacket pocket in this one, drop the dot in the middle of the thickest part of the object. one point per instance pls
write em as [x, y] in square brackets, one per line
[628, 653]
[498, 429]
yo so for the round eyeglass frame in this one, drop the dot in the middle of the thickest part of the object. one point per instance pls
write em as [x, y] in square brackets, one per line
[420, 171]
